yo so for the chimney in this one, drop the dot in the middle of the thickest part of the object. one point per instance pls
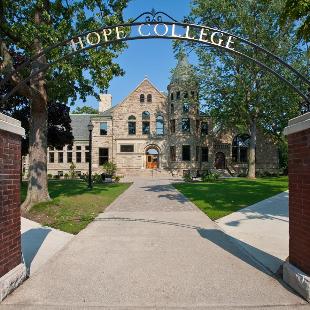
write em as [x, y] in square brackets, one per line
[105, 102]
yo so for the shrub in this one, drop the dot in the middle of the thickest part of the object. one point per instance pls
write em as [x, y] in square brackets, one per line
[187, 177]
[109, 168]
[49, 176]
[72, 171]
[66, 176]
[210, 176]
[56, 176]
[116, 179]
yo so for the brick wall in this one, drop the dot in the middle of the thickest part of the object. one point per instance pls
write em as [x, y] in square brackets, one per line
[299, 199]
[10, 239]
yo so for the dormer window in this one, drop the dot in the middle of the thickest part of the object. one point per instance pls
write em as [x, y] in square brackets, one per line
[149, 98]
[142, 98]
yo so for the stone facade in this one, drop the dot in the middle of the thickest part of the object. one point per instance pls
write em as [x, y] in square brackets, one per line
[168, 132]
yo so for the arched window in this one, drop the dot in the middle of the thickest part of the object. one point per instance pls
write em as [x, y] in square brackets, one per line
[145, 115]
[149, 98]
[131, 125]
[159, 125]
[172, 96]
[240, 146]
[145, 123]
[142, 98]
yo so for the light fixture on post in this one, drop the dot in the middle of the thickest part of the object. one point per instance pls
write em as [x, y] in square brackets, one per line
[90, 127]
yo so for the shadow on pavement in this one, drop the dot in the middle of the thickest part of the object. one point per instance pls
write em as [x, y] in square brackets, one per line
[32, 240]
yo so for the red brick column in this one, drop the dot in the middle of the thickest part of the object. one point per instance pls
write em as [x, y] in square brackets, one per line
[297, 272]
[12, 270]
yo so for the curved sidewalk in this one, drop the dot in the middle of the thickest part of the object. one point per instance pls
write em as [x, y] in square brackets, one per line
[152, 249]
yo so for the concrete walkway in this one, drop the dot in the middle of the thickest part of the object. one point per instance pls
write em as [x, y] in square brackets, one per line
[262, 230]
[152, 249]
[39, 244]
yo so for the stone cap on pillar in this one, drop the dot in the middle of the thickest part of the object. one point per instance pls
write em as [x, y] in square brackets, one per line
[11, 125]
[298, 124]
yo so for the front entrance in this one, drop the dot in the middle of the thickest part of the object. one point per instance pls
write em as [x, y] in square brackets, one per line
[152, 158]
[219, 160]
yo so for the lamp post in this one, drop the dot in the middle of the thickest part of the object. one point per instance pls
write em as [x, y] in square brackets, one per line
[90, 127]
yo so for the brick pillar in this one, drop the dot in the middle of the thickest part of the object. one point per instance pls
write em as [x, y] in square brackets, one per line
[297, 271]
[12, 269]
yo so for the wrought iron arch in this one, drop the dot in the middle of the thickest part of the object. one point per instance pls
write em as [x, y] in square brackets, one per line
[162, 26]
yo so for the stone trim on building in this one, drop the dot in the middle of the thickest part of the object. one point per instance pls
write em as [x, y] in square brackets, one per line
[12, 268]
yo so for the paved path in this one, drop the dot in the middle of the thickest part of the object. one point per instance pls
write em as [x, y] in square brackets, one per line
[40, 243]
[262, 230]
[152, 249]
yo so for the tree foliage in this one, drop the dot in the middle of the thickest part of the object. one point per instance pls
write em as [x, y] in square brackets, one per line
[239, 94]
[298, 11]
[27, 27]
[85, 110]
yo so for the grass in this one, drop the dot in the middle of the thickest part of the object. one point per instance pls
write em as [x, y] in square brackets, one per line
[225, 196]
[73, 206]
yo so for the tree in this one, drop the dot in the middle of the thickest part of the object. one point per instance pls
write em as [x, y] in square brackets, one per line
[298, 11]
[27, 27]
[85, 110]
[239, 94]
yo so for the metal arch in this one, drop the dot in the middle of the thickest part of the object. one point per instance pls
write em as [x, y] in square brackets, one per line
[154, 16]
[156, 20]
[239, 54]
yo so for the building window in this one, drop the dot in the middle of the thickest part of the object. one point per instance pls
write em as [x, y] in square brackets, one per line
[142, 98]
[127, 148]
[60, 157]
[146, 116]
[172, 126]
[197, 125]
[78, 148]
[240, 147]
[204, 128]
[192, 94]
[131, 125]
[149, 98]
[171, 108]
[159, 125]
[69, 147]
[87, 157]
[185, 95]
[186, 125]
[103, 155]
[78, 157]
[186, 152]
[60, 173]
[204, 154]
[178, 95]
[172, 153]
[197, 153]
[171, 97]
[103, 129]
[185, 107]
[52, 157]
[145, 128]
[69, 157]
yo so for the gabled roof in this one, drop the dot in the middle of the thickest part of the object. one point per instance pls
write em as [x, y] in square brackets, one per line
[145, 80]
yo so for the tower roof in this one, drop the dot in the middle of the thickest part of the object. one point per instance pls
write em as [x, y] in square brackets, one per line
[183, 71]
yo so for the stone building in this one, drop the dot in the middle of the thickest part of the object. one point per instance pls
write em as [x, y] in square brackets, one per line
[151, 130]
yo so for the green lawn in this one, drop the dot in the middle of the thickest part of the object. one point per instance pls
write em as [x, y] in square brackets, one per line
[229, 195]
[73, 206]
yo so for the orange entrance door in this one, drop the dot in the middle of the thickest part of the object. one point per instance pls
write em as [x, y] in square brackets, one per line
[151, 161]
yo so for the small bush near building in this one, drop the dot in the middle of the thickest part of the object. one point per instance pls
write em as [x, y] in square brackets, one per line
[210, 176]
[109, 168]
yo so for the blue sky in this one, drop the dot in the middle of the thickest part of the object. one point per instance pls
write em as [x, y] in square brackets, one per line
[151, 58]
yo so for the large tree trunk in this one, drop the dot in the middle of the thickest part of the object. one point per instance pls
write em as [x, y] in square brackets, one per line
[252, 151]
[37, 184]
